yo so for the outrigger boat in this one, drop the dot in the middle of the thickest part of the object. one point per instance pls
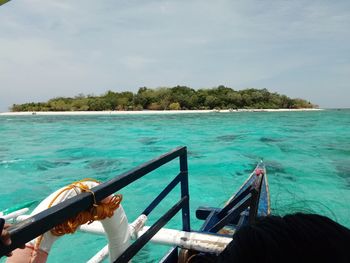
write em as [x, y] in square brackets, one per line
[219, 224]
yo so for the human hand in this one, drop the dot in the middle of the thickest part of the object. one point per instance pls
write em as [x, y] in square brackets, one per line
[5, 235]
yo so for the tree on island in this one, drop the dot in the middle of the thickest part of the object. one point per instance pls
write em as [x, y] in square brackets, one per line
[175, 98]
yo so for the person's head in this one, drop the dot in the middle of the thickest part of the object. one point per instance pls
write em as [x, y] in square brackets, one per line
[291, 238]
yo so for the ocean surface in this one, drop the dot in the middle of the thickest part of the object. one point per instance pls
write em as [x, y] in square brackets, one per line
[307, 155]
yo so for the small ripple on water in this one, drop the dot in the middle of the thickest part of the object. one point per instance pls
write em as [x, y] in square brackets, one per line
[274, 167]
[6, 162]
[288, 177]
[148, 140]
[195, 155]
[285, 147]
[227, 138]
[104, 164]
[76, 153]
[270, 139]
[342, 148]
[4, 149]
[153, 149]
[44, 165]
[343, 170]
[252, 156]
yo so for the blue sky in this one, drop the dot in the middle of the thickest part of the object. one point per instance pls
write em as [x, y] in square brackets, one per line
[63, 48]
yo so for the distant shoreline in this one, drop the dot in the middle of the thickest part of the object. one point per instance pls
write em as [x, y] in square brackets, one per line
[48, 113]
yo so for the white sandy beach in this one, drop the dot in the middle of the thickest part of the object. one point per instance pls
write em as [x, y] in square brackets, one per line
[146, 112]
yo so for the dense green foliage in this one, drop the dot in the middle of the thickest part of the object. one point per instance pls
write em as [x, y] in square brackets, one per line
[176, 98]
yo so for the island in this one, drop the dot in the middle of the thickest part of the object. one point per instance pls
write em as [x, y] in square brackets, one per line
[174, 99]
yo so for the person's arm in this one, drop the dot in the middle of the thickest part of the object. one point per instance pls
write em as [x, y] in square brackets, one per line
[5, 236]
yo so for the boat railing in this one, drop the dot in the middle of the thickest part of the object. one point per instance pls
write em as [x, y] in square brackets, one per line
[216, 219]
[38, 224]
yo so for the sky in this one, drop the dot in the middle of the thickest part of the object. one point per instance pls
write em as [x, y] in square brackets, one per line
[64, 48]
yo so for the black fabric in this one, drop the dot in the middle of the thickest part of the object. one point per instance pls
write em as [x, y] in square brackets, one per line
[292, 238]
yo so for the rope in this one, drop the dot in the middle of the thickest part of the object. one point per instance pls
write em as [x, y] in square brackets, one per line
[98, 211]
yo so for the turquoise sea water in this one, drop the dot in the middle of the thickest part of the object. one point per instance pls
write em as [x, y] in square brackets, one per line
[307, 156]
